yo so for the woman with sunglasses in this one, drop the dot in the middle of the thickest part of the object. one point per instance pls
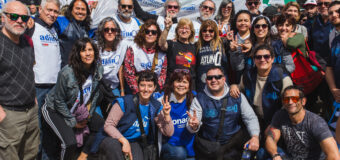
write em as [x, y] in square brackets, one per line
[171, 9]
[112, 55]
[69, 110]
[179, 91]
[224, 16]
[145, 54]
[263, 85]
[210, 52]
[180, 52]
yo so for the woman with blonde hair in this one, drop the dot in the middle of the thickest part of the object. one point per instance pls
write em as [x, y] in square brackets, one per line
[181, 51]
[210, 52]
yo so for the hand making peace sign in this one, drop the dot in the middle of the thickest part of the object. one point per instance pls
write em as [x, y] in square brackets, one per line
[193, 121]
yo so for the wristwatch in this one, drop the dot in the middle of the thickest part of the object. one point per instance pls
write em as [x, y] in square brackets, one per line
[276, 155]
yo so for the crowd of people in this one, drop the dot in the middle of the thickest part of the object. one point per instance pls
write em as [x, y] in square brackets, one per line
[240, 85]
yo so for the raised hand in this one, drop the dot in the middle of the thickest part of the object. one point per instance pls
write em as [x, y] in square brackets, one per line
[193, 121]
[166, 106]
[168, 21]
[246, 46]
[230, 33]
[234, 43]
[220, 27]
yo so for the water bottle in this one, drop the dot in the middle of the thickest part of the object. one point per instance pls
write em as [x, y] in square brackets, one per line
[246, 155]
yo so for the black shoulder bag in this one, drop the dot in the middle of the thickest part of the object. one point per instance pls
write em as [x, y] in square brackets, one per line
[207, 147]
[149, 150]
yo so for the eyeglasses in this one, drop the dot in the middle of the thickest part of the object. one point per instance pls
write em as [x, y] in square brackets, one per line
[184, 29]
[15, 17]
[207, 7]
[258, 26]
[112, 30]
[295, 99]
[251, 3]
[227, 7]
[217, 77]
[182, 71]
[153, 32]
[128, 6]
[323, 3]
[172, 7]
[259, 57]
[207, 30]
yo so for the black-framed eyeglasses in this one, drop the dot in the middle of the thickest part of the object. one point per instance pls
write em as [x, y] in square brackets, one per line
[207, 7]
[128, 6]
[207, 30]
[251, 3]
[112, 30]
[259, 57]
[324, 3]
[15, 17]
[258, 26]
[172, 7]
[217, 77]
[153, 32]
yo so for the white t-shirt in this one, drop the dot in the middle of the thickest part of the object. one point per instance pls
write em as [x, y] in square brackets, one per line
[128, 30]
[87, 88]
[47, 55]
[197, 26]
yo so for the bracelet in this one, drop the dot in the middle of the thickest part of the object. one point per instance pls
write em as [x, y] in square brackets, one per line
[276, 155]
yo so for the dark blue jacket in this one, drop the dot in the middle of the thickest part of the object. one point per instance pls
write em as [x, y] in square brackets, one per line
[211, 117]
[271, 101]
[334, 60]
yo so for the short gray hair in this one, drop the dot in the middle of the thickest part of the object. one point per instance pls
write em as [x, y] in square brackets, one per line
[167, 2]
[44, 2]
[210, 1]
[6, 6]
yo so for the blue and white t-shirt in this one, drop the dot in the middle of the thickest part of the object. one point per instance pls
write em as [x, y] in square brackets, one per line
[87, 88]
[128, 30]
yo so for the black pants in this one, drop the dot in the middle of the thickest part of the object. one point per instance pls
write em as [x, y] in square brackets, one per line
[111, 149]
[229, 151]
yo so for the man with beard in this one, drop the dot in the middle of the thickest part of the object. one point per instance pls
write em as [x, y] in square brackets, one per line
[171, 9]
[311, 10]
[129, 25]
[207, 9]
[253, 7]
[19, 130]
[75, 25]
[305, 135]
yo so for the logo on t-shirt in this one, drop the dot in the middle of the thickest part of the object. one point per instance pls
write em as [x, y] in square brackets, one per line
[185, 58]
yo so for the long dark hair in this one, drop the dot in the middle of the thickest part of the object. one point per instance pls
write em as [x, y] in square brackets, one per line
[252, 33]
[75, 62]
[140, 37]
[233, 24]
[100, 34]
[180, 74]
[219, 15]
[87, 21]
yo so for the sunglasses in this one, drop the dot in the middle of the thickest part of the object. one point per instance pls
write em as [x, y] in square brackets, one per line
[295, 99]
[251, 3]
[15, 17]
[112, 30]
[207, 30]
[128, 6]
[207, 7]
[323, 3]
[259, 57]
[153, 32]
[172, 7]
[217, 77]
[258, 26]
[182, 71]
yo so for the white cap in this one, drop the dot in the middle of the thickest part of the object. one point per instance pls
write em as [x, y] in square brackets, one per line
[313, 2]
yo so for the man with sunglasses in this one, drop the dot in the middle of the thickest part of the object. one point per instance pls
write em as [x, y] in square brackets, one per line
[128, 24]
[19, 130]
[253, 7]
[205, 116]
[171, 9]
[305, 135]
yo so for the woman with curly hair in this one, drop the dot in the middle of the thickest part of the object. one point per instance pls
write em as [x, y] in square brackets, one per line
[70, 105]
[145, 54]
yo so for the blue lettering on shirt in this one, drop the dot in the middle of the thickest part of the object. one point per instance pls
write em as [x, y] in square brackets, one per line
[272, 96]
[48, 38]
[210, 113]
[232, 108]
[109, 61]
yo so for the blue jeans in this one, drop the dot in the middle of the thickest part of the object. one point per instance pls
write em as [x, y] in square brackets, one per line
[170, 152]
[262, 154]
[41, 93]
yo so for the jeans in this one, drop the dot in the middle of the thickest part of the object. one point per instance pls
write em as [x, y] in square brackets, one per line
[170, 152]
[262, 154]
[41, 95]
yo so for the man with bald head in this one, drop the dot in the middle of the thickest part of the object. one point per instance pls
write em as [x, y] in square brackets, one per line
[19, 130]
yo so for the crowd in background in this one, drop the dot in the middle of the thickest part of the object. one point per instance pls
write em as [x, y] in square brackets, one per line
[238, 85]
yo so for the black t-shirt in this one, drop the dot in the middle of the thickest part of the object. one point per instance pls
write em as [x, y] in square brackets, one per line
[181, 55]
[302, 140]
